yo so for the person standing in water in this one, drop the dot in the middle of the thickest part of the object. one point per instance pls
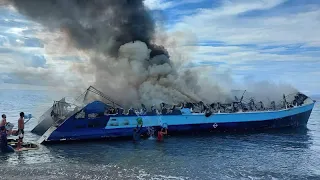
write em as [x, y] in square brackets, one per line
[20, 130]
[4, 147]
[4, 120]
[4, 123]
[161, 133]
[137, 133]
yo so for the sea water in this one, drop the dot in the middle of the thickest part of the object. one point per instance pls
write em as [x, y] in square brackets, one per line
[285, 154]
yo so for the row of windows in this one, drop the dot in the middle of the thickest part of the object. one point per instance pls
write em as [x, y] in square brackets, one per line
[91, 124]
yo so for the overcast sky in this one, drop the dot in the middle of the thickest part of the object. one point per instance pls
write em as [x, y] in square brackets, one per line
[274, 40]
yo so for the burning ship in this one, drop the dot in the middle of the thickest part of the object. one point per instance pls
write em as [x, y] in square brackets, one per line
[104, 118]
[119, 40]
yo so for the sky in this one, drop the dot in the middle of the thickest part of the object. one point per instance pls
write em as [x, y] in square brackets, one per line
[272, 40]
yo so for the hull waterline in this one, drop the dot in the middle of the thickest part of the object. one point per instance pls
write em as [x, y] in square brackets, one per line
[117, 126]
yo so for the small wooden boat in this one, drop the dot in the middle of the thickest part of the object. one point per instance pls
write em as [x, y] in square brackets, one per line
[26, 146]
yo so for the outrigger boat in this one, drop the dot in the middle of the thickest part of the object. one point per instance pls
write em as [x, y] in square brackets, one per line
[13, 138]
[26, 146]
[104, 118]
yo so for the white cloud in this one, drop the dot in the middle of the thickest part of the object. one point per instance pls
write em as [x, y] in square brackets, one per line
[16, 31]
[15, 68]
[240, 6]
[225, 24]
[218, 49]
[233, 55]
[166, 4]
[281, 38]
[16, 56]
[158, 4]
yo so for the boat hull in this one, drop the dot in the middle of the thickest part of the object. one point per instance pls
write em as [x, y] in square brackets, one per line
[122, 126]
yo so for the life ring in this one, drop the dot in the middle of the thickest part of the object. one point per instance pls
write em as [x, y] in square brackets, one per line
[215, 125]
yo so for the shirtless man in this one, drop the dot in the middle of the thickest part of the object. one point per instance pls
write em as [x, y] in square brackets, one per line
[4, 123]
[4, 120]
[20, 129]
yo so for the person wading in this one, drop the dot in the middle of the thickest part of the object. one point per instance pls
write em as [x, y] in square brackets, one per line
[161, 133]
[20, 130]
[4, 120]
[4, 147]
[137, 133]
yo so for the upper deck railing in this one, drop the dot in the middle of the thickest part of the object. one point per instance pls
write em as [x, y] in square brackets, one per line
[106, 99]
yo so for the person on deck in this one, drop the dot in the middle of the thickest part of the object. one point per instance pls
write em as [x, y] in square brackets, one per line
[4, 147]
[161, 133]
[20, 130]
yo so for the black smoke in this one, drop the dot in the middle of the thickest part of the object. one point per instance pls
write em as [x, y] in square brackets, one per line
[117, 38]
[92, 23]
[117, 35]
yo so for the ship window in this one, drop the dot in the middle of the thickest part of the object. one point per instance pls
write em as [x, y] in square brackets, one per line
[97, 123]
[81, 126]
[94, 124]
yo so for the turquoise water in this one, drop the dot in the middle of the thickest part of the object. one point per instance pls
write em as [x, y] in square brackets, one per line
[290, 154]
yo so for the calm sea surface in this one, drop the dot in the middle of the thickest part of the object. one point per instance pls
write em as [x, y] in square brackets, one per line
[293, 154]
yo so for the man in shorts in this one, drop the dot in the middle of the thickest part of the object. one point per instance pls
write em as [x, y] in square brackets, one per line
[20, 130]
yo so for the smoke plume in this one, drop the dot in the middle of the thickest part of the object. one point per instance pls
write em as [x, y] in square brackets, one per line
[118, 38]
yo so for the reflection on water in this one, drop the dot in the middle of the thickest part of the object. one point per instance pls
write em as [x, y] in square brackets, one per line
[285, 154]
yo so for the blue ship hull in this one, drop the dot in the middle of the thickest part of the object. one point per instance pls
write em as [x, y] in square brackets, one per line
[91, 123]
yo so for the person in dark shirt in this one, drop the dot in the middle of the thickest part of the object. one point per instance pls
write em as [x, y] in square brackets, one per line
[4, 147]
[137, 133]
